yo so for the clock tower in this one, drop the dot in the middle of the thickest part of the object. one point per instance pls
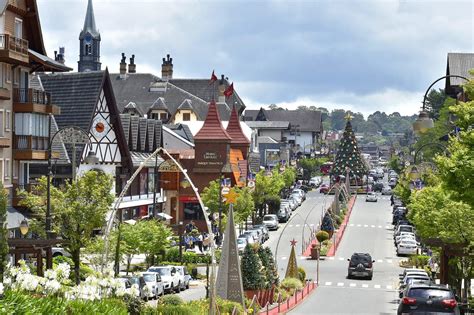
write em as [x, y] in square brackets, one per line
[89, 43]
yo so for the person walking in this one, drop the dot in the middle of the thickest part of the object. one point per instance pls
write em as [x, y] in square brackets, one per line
[199, 242]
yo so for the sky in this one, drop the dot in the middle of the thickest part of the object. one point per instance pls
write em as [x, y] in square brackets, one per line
[362, 56]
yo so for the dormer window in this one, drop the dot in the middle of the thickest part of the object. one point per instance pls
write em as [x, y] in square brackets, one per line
[163, 116]
[186, 116]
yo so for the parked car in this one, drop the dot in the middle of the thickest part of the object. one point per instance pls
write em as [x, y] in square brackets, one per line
[184, 277]
[324, 188]
[407, 247]
[315, 181]
[428, 299]
[297, 197]
[271, 221]
[248, 238]
[293, 203]
[255, 234]
[408, 270]
[403, 228]
[263, 228]
[371, 196]
[169, 276]
[241, 243]
[301, 192]
[154, 283]
[360, 265]
[378, 187]
[392, 182]
[386, 190]
[59, 251]
[283, 213]
[139, 281]
[405, 236]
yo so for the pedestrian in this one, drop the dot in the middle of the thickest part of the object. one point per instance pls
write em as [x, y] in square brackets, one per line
[199, 242]
[391, 200]
[206, 241]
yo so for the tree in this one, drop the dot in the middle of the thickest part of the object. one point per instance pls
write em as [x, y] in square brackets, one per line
[79, 208]
[268, 263]
[311, 166]
[210, 197]
[3, 231]
[289, 176]
[348, 155]
[435, 101]
[251, 266]
[337, 119]
[131, 241]
[244, 205]
[154, 238]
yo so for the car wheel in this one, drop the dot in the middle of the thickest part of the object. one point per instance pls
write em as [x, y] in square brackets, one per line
[179, 286]
[349, 276]
[172, 290]
[369, 277]
[187, 286]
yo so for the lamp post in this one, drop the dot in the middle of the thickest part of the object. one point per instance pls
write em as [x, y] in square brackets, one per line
[24, 227]
[424, 122]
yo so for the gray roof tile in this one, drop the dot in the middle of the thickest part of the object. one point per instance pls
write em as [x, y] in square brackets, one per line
[308, 120]
[459, 64]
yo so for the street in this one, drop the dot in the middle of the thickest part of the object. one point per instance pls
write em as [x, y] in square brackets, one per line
[369, 230]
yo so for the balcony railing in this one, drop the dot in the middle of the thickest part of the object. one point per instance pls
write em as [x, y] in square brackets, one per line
[31, 96]
[11, 43]
[30, 143]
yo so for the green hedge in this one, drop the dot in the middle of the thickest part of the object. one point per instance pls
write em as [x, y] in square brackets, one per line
[15, 302]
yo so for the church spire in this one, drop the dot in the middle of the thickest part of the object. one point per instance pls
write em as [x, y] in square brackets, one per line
[89, 22]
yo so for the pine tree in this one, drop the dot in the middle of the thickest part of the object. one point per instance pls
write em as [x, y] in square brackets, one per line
[252, 276]
[348, 155]
[271, 273]
[292, 268]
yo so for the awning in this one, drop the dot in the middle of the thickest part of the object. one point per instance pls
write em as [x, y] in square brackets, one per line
[14, 218]
[139, 157]
[164, 215]
[44, 63]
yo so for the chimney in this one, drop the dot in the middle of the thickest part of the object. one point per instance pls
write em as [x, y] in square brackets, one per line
[132, 67]
[123, 67]
[221, 98]
[167, 68]
[59, 57]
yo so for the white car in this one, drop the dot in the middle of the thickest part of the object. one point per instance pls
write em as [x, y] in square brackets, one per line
[407, 247]
[184, 277]
[403, 235]
[386, 190]
[154, 284]
[300, 192]
[242, 242]
[297, 198]
[315, 181]
[169, 276]
[271, 221]
[371, 196]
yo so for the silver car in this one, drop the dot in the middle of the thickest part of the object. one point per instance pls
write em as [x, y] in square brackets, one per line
[271, 221]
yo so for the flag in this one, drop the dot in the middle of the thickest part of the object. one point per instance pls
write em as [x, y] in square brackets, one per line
[213, 78]
[229, 91]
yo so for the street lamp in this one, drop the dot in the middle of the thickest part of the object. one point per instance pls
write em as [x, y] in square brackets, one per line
[24, 227]
[423, 123]
[414, 173]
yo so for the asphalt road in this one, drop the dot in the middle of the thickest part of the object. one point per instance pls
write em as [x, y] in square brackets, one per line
[369, 230]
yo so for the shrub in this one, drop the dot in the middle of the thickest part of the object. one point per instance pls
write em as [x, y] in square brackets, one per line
[418, 260]
[321, 236]
[301, 274]
[172, 254]
[134, 304]
[291, 285]
[171, 300]
[84, 270]
[171, 310]
[338, 220]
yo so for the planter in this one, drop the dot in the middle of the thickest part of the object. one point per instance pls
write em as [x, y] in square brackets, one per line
[314, 253]
[251, 293]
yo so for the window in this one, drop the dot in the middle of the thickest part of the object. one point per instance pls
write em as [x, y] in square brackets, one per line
[6, 171]
[8, 73]
[16, 76]
[192, 211]
[88, 49]
[186, 116]
[2, 123]
[15, 169]
[18, 28]
[8, 118]
[163, 116]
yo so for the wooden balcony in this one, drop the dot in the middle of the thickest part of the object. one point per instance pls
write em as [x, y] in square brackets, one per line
[13, 50]
[30, 148]
[16, 198]
[33, 101]
[4, 142]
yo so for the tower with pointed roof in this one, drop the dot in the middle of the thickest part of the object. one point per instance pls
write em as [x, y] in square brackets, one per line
[89, 43]
[234, 129]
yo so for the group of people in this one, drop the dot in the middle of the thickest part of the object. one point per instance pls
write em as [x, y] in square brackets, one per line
[192, 238]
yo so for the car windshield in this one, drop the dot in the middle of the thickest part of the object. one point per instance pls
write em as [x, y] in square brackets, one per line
[430, 293]
[134, 280]
[240, 241]
[149, 277]
[406, 229]
[268, 218]
[161, 271]
[360, 259]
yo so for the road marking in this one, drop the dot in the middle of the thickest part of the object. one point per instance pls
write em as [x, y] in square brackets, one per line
[340, 284]
[377, 286]
[379, 260]
[302, 257]
[358, 225]
[389, 261]
[389, 287]
[380, 226]
[283, 258]
[387, 226]
[341, 258]
[297, 225]
[311, 224]
[365, 285]
[332, 258]
[365, 225]
[372, 226]
[352, 285]
[290, 225]
[328, 283]
[352, 224]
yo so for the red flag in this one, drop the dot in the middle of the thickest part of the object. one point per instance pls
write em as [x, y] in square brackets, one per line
[229, 91]
[213, 78]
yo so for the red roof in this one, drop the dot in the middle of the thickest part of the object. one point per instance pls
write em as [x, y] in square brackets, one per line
[235, 130]
[212, 128]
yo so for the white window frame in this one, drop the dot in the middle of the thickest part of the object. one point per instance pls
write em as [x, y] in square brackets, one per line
[6, 169]
[18, 21]
[16, 76]
[1, 169]
[2, 122]
[8, 120]
[8, 73]
[15, 169]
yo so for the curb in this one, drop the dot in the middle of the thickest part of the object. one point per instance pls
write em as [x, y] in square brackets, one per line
[342, 228]
[290, 303]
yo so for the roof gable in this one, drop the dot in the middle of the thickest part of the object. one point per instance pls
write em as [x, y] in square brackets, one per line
[235, 130]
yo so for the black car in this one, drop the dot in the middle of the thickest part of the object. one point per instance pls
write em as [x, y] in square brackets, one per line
[360, 265]
[428, 298]
[378, 186]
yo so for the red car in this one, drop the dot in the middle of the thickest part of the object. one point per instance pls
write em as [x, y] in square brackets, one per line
[324, 188]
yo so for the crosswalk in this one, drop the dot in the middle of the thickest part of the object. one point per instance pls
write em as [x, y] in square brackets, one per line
[353, 285]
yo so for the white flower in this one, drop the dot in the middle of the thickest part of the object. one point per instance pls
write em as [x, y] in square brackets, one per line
[1, 288]
[134, 290]
[7, 281]
[52, 286]
[120, 292]
[28, 282]
[62, 272]
[50, 274]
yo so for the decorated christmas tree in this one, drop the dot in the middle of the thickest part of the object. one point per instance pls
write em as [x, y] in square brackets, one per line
[292, 269]
[252, 275]
[327, 224]
[348, 154]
